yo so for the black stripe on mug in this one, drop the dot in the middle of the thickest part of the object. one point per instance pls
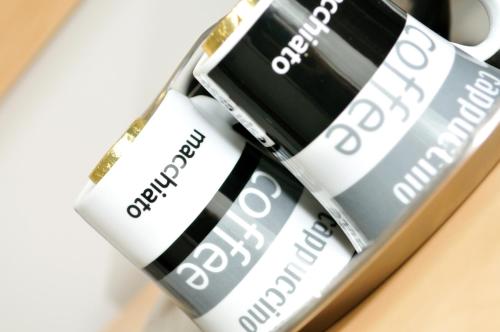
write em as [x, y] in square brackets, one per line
[208, 218]
[281, 72]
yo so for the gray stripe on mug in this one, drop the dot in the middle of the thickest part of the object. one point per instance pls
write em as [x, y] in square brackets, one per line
[371, 202]
[236, 235]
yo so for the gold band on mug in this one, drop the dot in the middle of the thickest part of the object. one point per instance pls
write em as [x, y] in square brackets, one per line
[218, 35]
[227, 25]
[117, 150]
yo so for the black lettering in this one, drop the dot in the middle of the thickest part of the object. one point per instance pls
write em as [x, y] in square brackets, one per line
[186, 151]
[134, 211]
[326, 220]
[149, 195]
[167, 176]
[155, 187]
[200, 138]
[145, 206]
[167, 182]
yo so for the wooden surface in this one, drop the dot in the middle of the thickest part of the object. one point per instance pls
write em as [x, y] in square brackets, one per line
[451, 284]
[25, 26]
[136, 315]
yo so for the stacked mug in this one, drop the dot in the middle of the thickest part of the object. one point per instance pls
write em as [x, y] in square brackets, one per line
[373, 116]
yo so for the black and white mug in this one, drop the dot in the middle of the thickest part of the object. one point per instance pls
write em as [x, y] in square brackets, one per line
[368, 107]
[234, 238]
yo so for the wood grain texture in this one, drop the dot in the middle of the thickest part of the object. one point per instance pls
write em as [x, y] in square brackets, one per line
[136, 314]
[25, 26]
[451, 284]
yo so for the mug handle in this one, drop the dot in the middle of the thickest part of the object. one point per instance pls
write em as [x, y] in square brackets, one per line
[487, 48]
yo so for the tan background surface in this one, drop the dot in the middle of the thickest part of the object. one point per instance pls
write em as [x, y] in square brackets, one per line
[25, 25]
